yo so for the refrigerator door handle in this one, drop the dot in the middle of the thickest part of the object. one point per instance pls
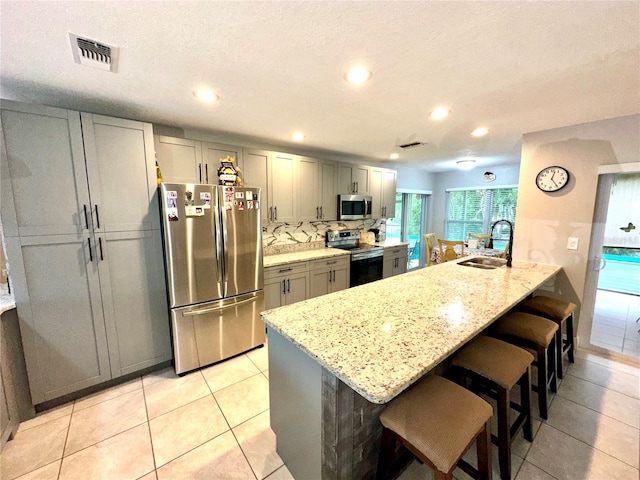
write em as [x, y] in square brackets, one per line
[202, 311]
[216, 236]
[206, 172]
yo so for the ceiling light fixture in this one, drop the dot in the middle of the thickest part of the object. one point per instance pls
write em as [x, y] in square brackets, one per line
[480, 132]
[439, 113]
[357, 75]
[394, 156]
[466, 164]
[205, 95]
[298, 136]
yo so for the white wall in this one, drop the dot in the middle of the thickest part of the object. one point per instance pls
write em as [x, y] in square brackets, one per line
[545, 220]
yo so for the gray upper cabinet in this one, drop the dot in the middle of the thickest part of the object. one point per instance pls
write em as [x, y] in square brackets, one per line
[85, 250]
[383, 192]
[46, 167]
[178, 159]
[256, 174]
[354, 178]
[328, 190]
[121, 172]
[211, 155]
[306, 189]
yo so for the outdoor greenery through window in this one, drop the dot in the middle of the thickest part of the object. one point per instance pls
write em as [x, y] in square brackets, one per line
[475, 210]
[408, 224]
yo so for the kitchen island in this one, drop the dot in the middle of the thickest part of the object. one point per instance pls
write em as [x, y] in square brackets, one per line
[336, 360]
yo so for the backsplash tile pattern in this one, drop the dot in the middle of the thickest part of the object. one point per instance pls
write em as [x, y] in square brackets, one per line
[280, 238]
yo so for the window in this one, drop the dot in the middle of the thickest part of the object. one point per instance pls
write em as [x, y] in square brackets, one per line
[409, 224]
[475, 210]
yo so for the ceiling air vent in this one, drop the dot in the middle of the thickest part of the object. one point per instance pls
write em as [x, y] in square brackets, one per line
[93, 54]
[412, 145]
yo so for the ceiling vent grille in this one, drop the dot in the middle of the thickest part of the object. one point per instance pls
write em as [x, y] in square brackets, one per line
[93, 54]
[412, 145]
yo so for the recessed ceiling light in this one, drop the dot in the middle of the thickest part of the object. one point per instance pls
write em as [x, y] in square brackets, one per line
[394, 156]
[357, 75]
[439, 113]
[480, 132]
[205, 95]
[298, 136]
[466, 164]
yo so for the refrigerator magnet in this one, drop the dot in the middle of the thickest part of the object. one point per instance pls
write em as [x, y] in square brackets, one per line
[241, 205]
[228, 206]
[193, 211]
[205, 199]
[239, 194]
[249, 204]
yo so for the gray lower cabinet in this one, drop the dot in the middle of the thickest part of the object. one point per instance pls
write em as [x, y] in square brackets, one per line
[329, 275]
[286, 284]
[81, 222]
[394, 261]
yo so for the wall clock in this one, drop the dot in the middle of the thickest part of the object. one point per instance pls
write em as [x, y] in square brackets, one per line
[552, 179]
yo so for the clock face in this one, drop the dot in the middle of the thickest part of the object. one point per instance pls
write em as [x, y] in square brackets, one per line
[552, 179]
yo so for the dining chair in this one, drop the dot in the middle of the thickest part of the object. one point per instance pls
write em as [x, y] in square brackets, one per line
[430, 242]
[447, 250]
[481, 237]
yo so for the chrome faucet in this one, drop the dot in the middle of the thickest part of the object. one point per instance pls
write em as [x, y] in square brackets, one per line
[510, 246]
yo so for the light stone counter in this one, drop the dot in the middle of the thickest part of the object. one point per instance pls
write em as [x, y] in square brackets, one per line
[303, 256]
[381, 337]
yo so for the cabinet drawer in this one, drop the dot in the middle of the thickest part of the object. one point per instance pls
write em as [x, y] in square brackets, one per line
[332, 262]
[395, 251]
[286, 269]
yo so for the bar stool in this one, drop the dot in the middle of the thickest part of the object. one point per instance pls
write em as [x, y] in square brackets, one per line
[498, 366]
[559, 311]
[437, 420]
[534, 333]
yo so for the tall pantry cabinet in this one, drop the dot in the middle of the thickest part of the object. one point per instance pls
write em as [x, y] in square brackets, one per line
[83, 238]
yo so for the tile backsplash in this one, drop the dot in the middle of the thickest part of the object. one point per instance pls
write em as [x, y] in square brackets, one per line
[293, 237]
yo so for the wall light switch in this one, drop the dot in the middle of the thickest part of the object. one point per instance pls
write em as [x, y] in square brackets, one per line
[572, 243]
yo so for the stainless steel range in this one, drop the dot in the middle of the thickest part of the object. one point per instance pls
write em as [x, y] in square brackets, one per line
[366, 260]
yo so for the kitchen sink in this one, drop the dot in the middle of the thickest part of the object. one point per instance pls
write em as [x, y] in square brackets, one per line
[487, 263]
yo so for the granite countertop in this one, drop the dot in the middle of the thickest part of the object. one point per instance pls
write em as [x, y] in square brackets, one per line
[316, 254]
[7, 301]
[381, 337]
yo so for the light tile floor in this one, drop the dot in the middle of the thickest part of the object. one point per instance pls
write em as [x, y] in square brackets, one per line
[614, 322]
[214, 424]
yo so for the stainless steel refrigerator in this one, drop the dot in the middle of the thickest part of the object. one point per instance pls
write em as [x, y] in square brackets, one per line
[213, 257]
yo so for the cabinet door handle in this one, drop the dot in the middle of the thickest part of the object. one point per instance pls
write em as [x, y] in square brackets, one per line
[357, 187]
[353, 187]
[90, 251]
[86, 217]
[100, 246]
[206, 172]
[275, 213]
[284, 287]
[97, 217]
[271, 214]
[317, 213]
[332, 262]
[200, 173]
[288, 285]
[282, 270]
[320, 213]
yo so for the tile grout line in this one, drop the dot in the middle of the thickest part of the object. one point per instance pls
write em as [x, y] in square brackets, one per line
[598, 412]
[146, 411]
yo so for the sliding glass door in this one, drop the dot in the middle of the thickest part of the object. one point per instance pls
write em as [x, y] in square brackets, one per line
[409, 224]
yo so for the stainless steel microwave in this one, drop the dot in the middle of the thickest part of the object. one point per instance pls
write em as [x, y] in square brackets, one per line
[354, 207]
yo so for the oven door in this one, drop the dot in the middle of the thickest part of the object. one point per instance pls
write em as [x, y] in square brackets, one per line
[365, 270]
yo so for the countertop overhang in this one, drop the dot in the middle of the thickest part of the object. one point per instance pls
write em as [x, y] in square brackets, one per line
[379, 338]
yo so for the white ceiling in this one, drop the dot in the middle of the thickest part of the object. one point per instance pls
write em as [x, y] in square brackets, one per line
[515, 67]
